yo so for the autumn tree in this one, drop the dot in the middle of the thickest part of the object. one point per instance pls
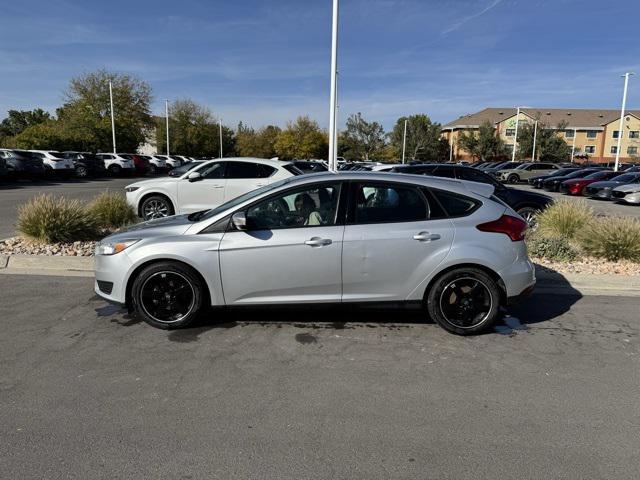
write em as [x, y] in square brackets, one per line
[302, 139]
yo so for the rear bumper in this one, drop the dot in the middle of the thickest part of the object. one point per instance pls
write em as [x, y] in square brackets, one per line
[527, 292]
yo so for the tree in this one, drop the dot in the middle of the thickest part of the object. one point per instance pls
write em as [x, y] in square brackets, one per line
[194, 131]
[361, 139]
[85, 114]
[302, 139]
[261, 144]
[424, 141]
[485, 144]
[19, 120]
[44, 135]
[549, 146]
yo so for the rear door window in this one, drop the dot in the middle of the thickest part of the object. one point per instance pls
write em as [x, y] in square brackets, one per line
[388, 203]
[236, 170]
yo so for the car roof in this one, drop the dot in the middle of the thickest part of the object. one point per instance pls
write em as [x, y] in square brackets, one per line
[264, 161]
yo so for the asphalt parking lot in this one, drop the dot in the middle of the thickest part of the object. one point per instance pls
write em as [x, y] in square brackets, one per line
[14, 194]
[601, 207]
[89, 392]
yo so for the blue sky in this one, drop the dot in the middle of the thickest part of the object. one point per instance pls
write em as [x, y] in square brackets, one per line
[267, 61]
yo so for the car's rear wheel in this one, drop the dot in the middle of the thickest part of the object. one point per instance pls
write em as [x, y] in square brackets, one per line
[530, 215]
[465, 301]
[513, 178]
[152, 169]
[115, 170]
[156, 206]
[81, 171]
[168, 295]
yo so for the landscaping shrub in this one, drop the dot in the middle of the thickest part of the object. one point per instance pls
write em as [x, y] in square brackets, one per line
[50, 219]
[612, 238]
[551, 248]
[564, 218]
[111, 210]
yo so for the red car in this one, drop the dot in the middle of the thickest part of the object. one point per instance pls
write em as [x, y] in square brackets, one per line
[141, 164]
[576, 186]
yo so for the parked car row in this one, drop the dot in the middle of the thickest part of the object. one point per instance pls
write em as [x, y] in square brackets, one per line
[16, 163]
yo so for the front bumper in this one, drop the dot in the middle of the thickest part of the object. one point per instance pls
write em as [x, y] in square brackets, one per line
[632, 197]
[111, 274]
[603, 193]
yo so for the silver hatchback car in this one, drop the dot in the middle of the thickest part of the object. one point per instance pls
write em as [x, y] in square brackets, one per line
[448, 245]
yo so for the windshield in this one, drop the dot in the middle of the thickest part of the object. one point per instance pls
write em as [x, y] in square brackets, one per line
[56, 154]
[243, 198]
[524, 165]
[599, 175]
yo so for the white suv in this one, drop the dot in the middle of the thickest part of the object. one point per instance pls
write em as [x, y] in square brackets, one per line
[172, 162]
[116, 164]
[55, 162]
[206, 186]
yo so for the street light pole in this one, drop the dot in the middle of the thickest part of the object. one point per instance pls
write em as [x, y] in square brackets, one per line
[166, 111]
[404, 141]
[515, 137]
[113, 123]
[620, 129]
[535, 134]
[333, 100]
[220, 128]
[573, 146]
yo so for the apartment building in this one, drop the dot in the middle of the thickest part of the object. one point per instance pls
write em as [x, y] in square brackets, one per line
[592, 132]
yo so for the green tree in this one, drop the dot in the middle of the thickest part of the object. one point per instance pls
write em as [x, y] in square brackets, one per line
[45, 135]
[483, 144]
[261, 143]
[549, 146]
[302, 139]
[19, 120]
[194, 131]
[361, 139]
[85, 114]
[424, 141]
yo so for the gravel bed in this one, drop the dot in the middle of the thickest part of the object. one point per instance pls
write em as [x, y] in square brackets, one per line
[21, 246]
[590, 266]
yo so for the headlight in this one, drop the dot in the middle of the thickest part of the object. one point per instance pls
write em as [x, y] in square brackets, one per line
[131, 189]
[111, 248]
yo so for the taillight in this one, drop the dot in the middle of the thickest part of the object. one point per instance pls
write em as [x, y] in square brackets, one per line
[513, 227]
[576, 188]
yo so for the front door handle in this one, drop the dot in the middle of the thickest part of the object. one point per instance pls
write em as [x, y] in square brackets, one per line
[426, 237]
[318, 242]
[217, 186]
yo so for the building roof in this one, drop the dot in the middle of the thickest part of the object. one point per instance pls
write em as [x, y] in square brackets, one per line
[574, 117]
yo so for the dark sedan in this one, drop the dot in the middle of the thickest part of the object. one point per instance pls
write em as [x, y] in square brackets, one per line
[576, 186]
[527, 204]
[537, 182]
[553, 184]
[310, 166]
[603, 190]
[86, 164]
[22, 164]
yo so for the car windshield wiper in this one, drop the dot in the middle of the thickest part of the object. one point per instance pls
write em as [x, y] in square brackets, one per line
[195, 216]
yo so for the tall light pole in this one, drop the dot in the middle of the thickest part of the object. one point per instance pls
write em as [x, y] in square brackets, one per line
[333, 100]
[220, 129]
[515, 137]
[113, 123]
[451, 146]
[535, 135]
[620, 129]
[166, 112]
[404, 141]
[573, 146]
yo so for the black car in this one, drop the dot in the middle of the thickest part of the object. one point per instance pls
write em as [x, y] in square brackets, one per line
[22, 164]
[553, 184]
[537, 182]
[310, 166]
[527, 204]
[3, 168]
[86, 164]
[602, 190]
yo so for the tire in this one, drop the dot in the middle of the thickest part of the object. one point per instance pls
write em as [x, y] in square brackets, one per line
[513, 178]
[530, 215]
[115, 170]
[444, 304]
[168, 295]
[81, 171]
[156, 206]
[152, 169]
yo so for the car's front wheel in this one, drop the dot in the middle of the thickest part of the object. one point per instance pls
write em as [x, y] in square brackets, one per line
[513, 178]
[156, 206]
[81, 171]
[168, 295]
[465, 301]
[115, 170]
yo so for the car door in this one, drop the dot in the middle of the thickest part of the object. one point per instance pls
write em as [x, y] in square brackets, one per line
[242, 177]
[290, 252]
[204, 192]
[395, 237]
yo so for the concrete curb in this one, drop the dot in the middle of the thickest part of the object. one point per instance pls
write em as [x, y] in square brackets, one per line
[46, 265]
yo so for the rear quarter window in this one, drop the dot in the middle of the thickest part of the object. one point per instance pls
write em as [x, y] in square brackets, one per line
[454, 204]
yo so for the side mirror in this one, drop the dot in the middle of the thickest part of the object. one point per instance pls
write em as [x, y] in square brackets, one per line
[239, 220]
[194, 176]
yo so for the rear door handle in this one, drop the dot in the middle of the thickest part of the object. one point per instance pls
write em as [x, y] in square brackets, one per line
[218, 186]
[426, 237]
[318, 242]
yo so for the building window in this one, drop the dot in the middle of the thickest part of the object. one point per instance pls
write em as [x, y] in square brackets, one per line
[634, 134]
[569, 133]
[614, 149]
[616, 133]
[510, 132]
[590, 149]
[632, 150]
[592, 133]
